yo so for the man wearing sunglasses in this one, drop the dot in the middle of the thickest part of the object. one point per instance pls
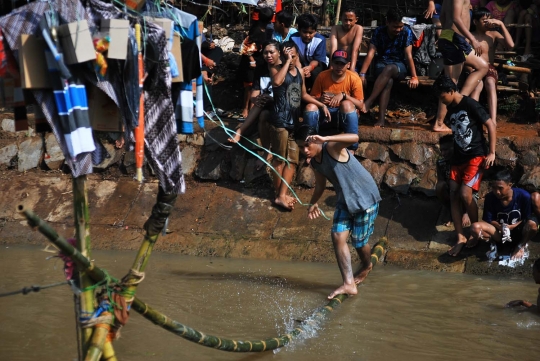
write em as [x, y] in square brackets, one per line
[340, 90]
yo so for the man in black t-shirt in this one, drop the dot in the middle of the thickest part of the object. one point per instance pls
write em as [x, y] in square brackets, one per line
[466, 117]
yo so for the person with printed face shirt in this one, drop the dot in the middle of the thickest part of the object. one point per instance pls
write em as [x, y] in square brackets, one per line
[466, 118]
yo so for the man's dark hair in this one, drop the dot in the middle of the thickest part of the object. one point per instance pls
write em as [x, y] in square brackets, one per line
[503, 175]
[394, 15]
[288, 44]
[349, 10]
[304, 131]
[285, 17]
[480, 13]
[265, 16]
[306, 21]
[444, 84]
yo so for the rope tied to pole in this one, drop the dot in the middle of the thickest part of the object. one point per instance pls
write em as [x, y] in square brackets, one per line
[33, 288]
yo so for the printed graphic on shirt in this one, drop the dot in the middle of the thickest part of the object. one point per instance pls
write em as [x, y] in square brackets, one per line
[463, 134]
[294, 95]
[513, 217]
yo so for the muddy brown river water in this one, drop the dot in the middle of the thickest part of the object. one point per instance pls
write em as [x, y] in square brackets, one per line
[398, 314]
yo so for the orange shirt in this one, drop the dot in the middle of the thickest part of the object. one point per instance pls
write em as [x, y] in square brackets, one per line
[351, 85]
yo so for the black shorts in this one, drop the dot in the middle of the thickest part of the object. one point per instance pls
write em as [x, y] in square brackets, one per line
[453, 47]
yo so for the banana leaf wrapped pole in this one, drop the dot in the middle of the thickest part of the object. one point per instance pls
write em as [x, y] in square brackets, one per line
[139, 130]
[82, 236]
[187, 332]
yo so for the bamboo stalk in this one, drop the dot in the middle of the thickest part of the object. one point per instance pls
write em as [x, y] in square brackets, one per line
[82, 235]
[101, 331]
[187, 332]
[108, 352]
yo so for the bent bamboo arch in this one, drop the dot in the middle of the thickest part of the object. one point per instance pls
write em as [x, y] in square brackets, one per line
[186, 332]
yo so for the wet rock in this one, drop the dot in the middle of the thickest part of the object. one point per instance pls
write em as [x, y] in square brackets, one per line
[238, 164]
[30, 152]
[399, 177]
[129, 162]
[210, 166]
[215, 139]
[427, 183]
[193, 139]
[305, 176]
[54, 157]
[376, 170]
[250, 173]
[415, 153]
[531, 179]
[529, 158]
[7, 153]
[504, 155]
[372, 151]
[114, 156]
[190, 158]
[8, 125]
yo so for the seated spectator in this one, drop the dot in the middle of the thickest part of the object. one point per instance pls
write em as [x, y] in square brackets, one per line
[347, 36]
[507, 216]
[211, 56]
[528, 15]
[282, 26]
[311, 47]
[276, 125]
[340, 89]
[251, 55]
[488, 37]
[503, 10]
[526, 304]
[393, 45]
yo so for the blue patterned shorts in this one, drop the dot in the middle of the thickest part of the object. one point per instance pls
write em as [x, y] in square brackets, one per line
[360, 224]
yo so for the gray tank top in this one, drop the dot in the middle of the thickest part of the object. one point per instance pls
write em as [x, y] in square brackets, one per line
[355, 188]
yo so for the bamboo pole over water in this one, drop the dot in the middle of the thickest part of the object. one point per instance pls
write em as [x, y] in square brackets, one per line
[187, 332]
[82, 235]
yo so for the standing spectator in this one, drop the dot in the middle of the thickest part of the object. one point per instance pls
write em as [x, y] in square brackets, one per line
[251, 55]
[393, 45]
[470, 156]
[311, 48]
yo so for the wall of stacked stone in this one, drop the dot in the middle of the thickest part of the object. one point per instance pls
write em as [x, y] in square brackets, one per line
[401, 160]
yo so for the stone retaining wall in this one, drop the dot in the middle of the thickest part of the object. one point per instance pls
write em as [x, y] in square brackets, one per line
[402, 160]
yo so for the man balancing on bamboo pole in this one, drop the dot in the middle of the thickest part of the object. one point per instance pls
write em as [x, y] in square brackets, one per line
[357, 200]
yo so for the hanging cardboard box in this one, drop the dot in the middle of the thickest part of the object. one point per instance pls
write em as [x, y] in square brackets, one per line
[77, 44]
[104, 114]
[135, 4]
[118, 31]
[177, 53]
[166, 24]
[32, 64]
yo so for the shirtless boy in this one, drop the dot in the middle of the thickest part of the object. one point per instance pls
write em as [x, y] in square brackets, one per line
[347, 36]
[456, 51]
[489, 39]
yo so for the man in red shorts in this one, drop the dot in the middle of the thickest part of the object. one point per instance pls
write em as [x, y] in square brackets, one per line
[471, 156]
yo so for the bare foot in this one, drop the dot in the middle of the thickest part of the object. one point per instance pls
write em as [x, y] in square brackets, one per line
[472, 242]
[286, 202]
[448, 224]
[379, 124]
[235, 138]
[244, 113]
[350, 290]
[454, 251]
[465, 220]
[362, 273]
[440, 128]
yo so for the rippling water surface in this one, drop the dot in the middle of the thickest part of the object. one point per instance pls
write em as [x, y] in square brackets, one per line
[398, 314]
